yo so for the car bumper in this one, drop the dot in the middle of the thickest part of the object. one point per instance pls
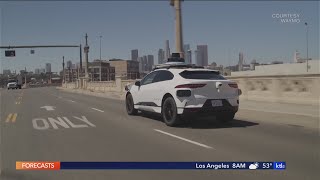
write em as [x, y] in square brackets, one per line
[208, 110]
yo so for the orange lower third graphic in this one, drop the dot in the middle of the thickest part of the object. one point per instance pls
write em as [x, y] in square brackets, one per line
[37, 165]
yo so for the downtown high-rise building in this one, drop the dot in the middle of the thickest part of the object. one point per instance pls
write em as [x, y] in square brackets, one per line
[141, 64]
[240, 63]
[161, 56]
[134, 55]
[167, 48]
[37, 71]
[150, 62]
[145, 63]
[69, 64]
[187, 54]
[202, 55]
[48, 68]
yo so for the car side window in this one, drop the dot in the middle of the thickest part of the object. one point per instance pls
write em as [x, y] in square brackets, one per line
[149, 78]
[163, 76]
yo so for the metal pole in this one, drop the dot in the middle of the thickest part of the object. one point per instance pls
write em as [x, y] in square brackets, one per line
[86, 51]
[178, 24]
[80, 59]
[63, 71]
[307, 30]
[100, 47]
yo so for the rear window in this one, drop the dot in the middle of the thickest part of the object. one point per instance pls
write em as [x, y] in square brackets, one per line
[201, 75]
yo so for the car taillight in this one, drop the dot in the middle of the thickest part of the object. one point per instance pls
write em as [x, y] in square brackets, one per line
[233, 85]
[192, 86]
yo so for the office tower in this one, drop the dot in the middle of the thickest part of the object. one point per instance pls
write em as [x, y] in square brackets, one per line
[140, 60]
[161, 56]
[69, 64]
[145, 63]
[240, 64]
[167, 49]
[37, 71]
[134, 54]
[48, 68]
[187, 58]
[150, 62]
[202, 55]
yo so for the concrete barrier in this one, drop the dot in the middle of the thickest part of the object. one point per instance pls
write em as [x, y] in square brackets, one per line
[298, 89]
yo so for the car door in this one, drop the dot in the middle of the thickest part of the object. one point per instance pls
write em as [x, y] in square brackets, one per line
[159, 86]
[143, 91]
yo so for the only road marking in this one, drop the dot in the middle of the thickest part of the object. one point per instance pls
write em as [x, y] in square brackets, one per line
[184, 139]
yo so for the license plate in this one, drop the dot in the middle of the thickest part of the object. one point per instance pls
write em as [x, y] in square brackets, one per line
[216, 103]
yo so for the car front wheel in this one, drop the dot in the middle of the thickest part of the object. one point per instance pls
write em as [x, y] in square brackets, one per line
[130, 106]
[169, 112]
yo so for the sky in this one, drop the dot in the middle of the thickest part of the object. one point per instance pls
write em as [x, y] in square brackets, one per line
[230, 27]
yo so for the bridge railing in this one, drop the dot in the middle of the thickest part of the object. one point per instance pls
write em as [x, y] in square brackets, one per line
[300, 89]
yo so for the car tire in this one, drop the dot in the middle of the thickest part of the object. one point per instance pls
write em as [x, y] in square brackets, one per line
[169, 112]
[225, 117]
[130, 105]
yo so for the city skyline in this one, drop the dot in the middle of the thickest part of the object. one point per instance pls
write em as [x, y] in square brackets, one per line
[258, 34]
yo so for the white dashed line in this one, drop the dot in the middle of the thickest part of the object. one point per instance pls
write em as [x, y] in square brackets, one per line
[97, 109]
[71, 101]
[184, 139]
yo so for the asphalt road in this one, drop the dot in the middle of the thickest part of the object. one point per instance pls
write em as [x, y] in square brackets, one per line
[102, 131]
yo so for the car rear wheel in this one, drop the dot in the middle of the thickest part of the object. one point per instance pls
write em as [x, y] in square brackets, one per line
[225, 117]
[130, 106]
[169, 112]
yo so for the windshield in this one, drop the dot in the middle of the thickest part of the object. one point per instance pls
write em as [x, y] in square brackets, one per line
[210, 75]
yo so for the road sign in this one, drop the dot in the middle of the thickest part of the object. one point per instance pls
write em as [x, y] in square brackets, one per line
[10, 53]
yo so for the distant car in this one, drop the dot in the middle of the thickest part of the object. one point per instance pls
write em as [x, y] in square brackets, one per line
[179, 90]
[12, 85]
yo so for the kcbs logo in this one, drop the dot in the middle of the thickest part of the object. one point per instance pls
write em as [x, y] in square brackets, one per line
[279, 165]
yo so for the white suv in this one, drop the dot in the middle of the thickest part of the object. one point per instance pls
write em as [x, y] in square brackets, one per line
[178, 91]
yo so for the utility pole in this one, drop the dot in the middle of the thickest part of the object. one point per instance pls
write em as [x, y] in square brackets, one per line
[100, 46]
[63, 72]
[307, 32]
[179, 37]
[86, 51]
[80, 59]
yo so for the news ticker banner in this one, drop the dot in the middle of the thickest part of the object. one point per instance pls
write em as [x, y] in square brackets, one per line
[56, 165]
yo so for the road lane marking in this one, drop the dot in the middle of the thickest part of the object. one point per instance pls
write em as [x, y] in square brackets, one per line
[71, 101]
[9, 117]
[14, 118]
[48, 108]
[184, 139]
[97, 109]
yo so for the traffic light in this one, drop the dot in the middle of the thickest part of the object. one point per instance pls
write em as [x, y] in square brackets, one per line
[10, 53]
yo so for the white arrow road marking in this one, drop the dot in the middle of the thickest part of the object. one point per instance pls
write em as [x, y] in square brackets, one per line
[97, 109]
[48, 108]
[184, 139]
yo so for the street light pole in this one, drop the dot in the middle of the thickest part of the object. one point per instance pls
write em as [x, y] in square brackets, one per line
[100, 59]
[100, 46]
[307, 32]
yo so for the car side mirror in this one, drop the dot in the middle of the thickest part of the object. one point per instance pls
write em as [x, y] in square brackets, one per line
[137, 83]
